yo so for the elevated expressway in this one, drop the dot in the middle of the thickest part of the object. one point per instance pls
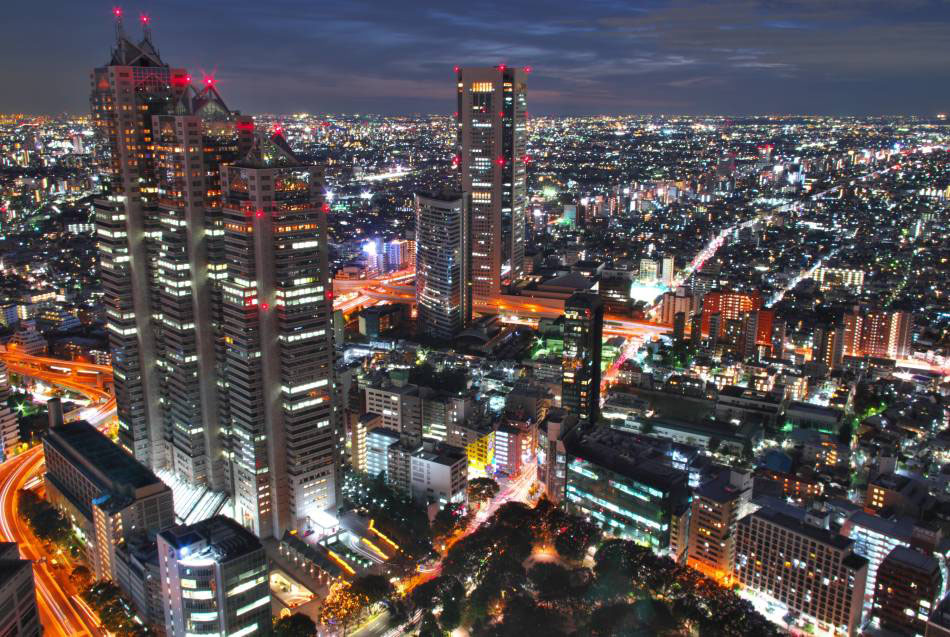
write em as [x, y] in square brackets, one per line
[61, 613]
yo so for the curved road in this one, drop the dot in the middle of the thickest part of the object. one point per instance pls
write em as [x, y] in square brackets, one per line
[61, 613]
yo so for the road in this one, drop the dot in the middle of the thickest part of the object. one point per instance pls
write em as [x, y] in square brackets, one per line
[61, 612]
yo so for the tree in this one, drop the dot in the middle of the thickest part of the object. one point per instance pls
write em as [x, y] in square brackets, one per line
[374, 587]
[429, 627]
[296, 625]
[449, 518]
[482, 489]
[551, 581]
[451, 615]
[342, 606]
[578, 535]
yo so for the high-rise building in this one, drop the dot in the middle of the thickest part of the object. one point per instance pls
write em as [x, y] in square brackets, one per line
[492, 157]
[190, 144]
[580, 365]
[908, 587]
[878, 334]
[277, 307]
[443, 264]
[214, 580]
[801, 568]
[127, 92]
[730, 305]
[827, 346]
[649, 269]
[717, 507]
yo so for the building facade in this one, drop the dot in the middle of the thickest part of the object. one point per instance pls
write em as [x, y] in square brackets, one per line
[443, 264]
[583, 335]
[214, 580]
[126, 93]
[278, 363]
[492, 157]
[806, 569]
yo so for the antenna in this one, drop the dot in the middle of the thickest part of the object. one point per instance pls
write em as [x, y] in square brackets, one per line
[117, 14]
[146, 21]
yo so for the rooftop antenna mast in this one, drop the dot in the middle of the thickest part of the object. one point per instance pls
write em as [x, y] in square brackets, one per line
[117, 14]
[146, 21]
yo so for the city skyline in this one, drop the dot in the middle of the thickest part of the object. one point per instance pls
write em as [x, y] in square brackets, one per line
[736, 58]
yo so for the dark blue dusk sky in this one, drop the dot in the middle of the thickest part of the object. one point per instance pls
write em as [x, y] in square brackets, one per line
[588, 56]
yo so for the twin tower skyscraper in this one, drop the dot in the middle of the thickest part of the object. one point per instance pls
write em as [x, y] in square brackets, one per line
[470, 245]
[213, 254]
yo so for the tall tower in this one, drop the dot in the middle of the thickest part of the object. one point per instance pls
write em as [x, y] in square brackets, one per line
[277, 310]
[443, 258]
[127, 92]
[492, 114]
[580, 366]
[190, 145]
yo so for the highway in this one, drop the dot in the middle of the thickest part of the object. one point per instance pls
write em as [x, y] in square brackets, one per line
[62, 613]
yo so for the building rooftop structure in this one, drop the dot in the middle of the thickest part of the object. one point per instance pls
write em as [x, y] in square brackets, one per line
[219, 538]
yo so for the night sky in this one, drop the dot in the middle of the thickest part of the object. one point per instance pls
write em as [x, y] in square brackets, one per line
[588, 56]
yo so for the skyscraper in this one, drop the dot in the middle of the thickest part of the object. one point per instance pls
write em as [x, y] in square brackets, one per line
[492, 157]
[580, 366]
[443, 264]
[190, 145]
[127, 92]
[277, 308]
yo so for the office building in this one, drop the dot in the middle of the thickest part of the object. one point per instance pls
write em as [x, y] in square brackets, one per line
[492, 158]
[717, 506]
[126, 93]
[190, 145]
[104, 491]
[9, 432]
[614, 480]
[443, 264]
[277, 309]
[909, 585]
[19, 615]
[580, 365]
[878, 334]
[214, 580]
[803, 569]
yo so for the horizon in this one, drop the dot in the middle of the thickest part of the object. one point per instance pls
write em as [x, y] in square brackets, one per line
[740, 58]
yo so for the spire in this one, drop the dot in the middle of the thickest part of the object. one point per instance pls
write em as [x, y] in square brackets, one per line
[119, 33]
[146, 21]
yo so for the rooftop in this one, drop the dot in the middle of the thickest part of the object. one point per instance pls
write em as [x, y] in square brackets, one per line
[91, 450]
[219, 538]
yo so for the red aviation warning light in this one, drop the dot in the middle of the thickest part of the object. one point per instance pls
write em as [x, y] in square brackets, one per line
[329, 295]
[265, 306]
[259, 214]
[456, 68]
[144, 19]
[502, 67]
[325, 207]
[117, 13]
[456, 160]
[500, 161]
[527, 69]
[278, 129]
